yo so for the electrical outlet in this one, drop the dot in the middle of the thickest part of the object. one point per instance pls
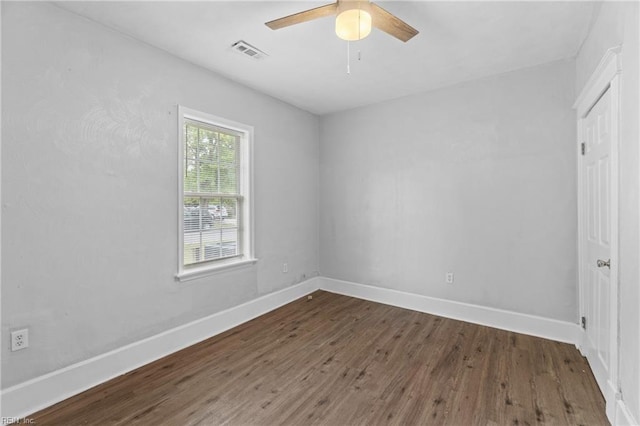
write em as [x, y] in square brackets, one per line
[19, 339]
[285, 268]
[449, 277]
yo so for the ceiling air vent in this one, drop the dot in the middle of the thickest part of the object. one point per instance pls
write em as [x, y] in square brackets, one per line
[246, 49]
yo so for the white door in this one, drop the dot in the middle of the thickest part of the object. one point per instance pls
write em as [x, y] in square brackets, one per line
[599, 291]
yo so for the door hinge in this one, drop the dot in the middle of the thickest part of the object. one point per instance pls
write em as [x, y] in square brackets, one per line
[582, 148]
[583, 322]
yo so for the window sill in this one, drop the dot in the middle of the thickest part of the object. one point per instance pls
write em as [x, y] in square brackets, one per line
[203, 271]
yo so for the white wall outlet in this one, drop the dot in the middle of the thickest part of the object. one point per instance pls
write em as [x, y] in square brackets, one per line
[285, 268]
[449, 277]
[19, 339]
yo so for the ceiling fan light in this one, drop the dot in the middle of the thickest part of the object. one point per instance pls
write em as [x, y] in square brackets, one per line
[353, 22]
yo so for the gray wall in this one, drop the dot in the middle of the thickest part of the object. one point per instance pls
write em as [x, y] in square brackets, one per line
[478, 179]
[617, 24]
[89, 188]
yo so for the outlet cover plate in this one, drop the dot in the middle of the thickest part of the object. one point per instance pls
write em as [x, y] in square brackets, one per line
[19, 339]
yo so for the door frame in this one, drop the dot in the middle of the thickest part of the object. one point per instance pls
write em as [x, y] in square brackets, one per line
[605, 77]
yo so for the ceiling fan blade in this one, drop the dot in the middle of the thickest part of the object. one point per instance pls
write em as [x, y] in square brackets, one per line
[391, 24]
[307, 15]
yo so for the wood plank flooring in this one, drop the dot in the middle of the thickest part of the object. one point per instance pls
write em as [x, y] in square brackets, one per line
[337, 360]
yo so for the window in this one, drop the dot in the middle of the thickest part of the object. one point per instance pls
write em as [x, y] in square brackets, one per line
[214, 193]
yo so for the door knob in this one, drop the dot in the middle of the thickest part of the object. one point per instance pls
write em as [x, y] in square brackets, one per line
[602, 263]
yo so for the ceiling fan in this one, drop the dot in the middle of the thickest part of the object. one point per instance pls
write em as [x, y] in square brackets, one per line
[354, 19]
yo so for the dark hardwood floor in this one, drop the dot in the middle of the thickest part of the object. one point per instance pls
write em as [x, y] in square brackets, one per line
[337, 360]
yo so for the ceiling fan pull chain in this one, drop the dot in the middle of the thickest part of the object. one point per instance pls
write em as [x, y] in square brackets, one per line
[348, 58]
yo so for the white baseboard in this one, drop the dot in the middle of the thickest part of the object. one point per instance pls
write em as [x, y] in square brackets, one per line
[506, 320]
[33, 395]
[28, 397]
[624, 416]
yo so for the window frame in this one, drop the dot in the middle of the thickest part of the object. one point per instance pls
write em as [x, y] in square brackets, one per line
[245, 214]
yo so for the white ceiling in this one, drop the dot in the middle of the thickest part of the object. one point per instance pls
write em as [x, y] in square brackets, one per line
[307, 63]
